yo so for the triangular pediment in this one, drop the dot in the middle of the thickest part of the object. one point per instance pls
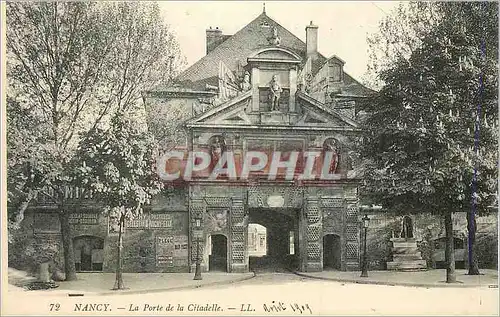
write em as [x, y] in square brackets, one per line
[317, 114]
[235, 112]
[230, 112]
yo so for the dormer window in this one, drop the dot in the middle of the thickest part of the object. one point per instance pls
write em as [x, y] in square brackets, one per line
[335, 69]
[336, 73]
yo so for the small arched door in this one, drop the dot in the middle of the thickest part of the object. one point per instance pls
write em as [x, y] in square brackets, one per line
[331, 252]
[217, 259]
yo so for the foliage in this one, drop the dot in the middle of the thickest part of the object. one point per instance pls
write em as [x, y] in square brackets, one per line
[70, 67]
[117, 166]
[29, 254]
[400, 33]
[54, 59]
[425, 156]
[438, 110]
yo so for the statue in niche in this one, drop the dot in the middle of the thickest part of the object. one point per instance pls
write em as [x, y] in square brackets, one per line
[331, 145]
[275, 93]
[245, 84]
[217, 147]
[407, 231]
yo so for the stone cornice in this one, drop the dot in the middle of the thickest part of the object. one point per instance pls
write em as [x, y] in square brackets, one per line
[273, 127]
[179, 93]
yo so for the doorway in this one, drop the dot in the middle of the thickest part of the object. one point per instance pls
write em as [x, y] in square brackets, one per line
[89, 253]
[278, 224]
[331, 252]
[217, 258]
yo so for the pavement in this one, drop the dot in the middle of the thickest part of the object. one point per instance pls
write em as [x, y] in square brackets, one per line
[97, 284]
[269, 294]
[139, 283]
[425, 278]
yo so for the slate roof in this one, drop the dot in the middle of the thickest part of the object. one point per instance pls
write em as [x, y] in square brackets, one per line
[352, 87]
[238, 47]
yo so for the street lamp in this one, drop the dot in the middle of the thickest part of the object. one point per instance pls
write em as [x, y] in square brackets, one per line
[197, 234]
[364, 269]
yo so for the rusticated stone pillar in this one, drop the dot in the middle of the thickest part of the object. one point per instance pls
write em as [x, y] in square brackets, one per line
[310, 235]
[239, 236]
[351, 234]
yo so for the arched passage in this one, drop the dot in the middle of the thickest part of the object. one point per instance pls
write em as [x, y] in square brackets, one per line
[89, 253]
[217, 258]
[331, 252]
[280, 226]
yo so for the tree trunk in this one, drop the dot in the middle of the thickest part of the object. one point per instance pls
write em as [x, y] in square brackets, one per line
[69, 254]
[119, 275]
[471, 228]
[450, 250]
[32, 194]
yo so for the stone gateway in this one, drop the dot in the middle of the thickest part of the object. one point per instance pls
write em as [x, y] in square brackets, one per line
[259, 90]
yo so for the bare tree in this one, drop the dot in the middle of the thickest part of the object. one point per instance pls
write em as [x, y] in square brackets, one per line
[71, 66]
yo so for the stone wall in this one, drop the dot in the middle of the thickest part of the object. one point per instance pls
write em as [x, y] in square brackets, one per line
[152, 249]
[159, 244]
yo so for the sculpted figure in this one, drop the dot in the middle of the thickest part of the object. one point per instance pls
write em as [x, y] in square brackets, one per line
[245, 84]
[331, 145]
[275, 93]
[217, 148]
[407, 231]
[275, 39]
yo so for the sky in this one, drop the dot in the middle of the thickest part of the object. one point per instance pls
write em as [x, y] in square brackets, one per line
[343, 26]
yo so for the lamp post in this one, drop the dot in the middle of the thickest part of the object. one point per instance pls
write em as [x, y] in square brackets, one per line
[197, 234]
[364, 268]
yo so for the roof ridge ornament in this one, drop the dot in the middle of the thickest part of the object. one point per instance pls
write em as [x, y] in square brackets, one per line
[264, 7]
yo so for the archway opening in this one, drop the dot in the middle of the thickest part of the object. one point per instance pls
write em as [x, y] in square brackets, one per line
[331, 252]
[217, 258]
[89, 253]
[281, 239]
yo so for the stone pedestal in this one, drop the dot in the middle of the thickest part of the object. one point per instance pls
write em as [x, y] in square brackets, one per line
[405, 255]
[43, 274]
[239, 268]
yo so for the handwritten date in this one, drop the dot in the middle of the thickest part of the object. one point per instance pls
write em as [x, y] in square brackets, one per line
[277, 306]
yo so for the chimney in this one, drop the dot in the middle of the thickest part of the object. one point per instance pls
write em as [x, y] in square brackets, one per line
[214, 38]
[311, 40]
